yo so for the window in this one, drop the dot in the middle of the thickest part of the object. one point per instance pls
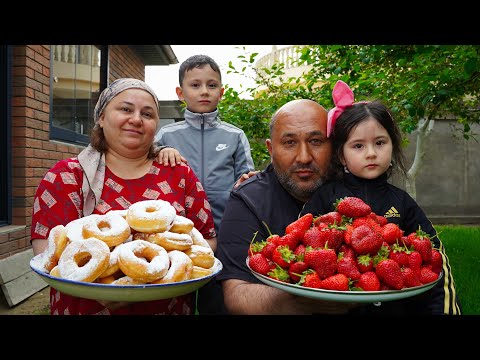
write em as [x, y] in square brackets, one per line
[5, 136]
[78, 75]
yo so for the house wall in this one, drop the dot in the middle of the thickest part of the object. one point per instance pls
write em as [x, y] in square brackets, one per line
[33, 153]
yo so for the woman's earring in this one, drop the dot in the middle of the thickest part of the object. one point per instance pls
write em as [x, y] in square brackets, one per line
[391, 164]
[345, 169]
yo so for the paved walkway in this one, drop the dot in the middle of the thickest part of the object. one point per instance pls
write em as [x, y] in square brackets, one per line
[37, 304]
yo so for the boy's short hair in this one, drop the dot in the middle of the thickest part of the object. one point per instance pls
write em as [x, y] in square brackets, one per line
[197, 61]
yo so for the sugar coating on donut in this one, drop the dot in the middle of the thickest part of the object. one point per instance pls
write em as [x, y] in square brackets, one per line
[111, 228]
[56, 243]
[151, 216]
[201, 256]
[181, 225]
[112, 263]
[168, 240]
[143, 260]
[75, 227]
[198, 238]
[180, 269]
[122, 213]
[84, 260]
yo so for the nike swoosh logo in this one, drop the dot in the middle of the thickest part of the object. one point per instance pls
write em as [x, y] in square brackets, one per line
[221, 147]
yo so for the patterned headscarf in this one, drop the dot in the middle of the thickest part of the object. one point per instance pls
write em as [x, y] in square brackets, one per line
[92, 161]
[116, 88]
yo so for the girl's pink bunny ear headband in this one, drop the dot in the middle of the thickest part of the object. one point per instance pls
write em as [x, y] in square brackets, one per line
[343, 99]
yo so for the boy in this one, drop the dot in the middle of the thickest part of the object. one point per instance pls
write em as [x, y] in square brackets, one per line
[218, 152]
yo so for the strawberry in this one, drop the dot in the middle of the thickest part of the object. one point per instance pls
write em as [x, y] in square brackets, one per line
[283, 256]
[365, 240]
[427, 275]
[347, 235]
[259, 264]
[296, 269]
[337, 282]
[331, 218]
[405, 241]
[300, 225]
[291, 240]
[310, 279]
[391, 233]
[368, 281]
[352, 207]
[272, 237]
[299, 252]
[323, 261]
[415, 261]
[424, 246]
[347, 251]
[348, 267]
[410, 277]
[279, 274]
[399, 254]
[312, 237]
[436, 261]
[382, 220]
[364, 263]
[389, 272]
[267, 250]
[255, 247]
[332, 236]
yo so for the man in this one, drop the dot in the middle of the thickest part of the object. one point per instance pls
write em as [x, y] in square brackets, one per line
[300, 153]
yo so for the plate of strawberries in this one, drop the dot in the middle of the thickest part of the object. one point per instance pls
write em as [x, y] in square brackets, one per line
[350, 254]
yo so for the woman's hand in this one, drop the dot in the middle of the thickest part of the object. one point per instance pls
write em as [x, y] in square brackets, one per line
[170, 155]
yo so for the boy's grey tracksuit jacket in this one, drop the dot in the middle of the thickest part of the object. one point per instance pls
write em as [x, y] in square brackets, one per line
[218, 152]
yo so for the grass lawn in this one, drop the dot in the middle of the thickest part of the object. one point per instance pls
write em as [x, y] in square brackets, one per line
[462, 245]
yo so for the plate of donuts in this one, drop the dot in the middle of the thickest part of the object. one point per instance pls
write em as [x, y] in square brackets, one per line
[124, 292]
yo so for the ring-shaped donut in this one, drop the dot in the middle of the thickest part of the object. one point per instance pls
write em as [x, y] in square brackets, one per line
[151, 216]
[180, 269]
[84, 260]
[143, 260]
[111, 228]
[168, 240]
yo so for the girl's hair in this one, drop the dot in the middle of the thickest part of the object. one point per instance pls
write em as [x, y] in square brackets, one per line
[349, 119]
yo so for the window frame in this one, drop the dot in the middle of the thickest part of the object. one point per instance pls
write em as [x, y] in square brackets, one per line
[69, 136]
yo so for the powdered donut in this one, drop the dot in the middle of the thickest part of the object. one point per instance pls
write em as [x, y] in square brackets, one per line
[55, 271]
[127, 280]
[122, 213]
[84, 260]
[75, 228]
[57, 240]
[168, 240]
[201, 256]
[198, 238]
[181, 225]
[143, 260]
[199, 272]
[110, 228]
[112, 264]
[151, 216]
[110, 278]
[180, 269]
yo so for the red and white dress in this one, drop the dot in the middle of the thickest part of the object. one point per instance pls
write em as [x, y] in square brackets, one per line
[58, 200]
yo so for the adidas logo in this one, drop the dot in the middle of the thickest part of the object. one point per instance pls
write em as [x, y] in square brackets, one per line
[392, 213]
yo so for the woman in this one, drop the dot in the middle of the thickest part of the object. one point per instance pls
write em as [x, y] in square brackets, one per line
[117, 169]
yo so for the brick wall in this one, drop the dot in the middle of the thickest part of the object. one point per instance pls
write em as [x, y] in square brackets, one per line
[124, 62]
[32, 151]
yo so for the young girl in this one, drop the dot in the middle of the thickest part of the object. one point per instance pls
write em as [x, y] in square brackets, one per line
[366, 149]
